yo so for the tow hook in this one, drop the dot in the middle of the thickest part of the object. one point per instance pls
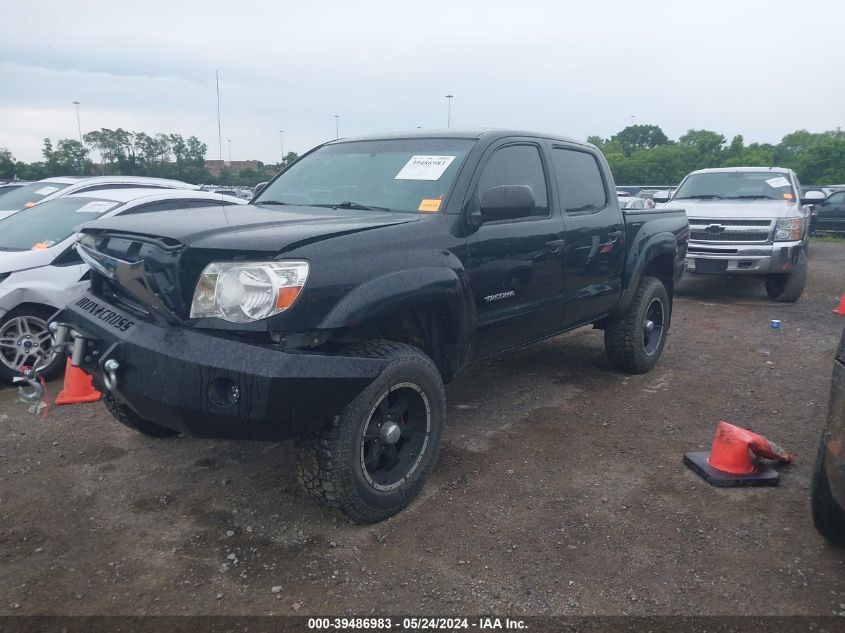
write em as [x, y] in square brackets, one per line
[30, 377]
[110, 368]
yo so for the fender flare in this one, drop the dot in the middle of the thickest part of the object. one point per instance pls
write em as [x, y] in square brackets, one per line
[641, 254]
[412, 287]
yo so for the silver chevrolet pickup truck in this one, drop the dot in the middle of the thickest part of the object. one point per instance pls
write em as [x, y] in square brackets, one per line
[747, 221]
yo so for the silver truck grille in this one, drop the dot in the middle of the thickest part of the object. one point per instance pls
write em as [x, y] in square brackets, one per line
[730, 230]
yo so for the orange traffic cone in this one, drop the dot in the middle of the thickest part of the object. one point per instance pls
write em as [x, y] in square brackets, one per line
[77, 388]
[840, 310]
[729, 462]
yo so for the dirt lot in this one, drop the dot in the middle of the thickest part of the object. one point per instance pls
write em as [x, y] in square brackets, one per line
[560, 490]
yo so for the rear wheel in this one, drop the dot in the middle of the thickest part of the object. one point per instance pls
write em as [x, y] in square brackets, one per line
[828, 515]
[373, 458]
[25, 341]
[127, 417]
[788, 288]
[634, 341]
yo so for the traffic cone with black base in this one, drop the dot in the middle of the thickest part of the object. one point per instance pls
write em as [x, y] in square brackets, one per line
[840, 309]
[729, 462]
[77, 387]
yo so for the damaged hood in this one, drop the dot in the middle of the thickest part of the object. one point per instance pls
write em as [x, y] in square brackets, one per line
[267, 228]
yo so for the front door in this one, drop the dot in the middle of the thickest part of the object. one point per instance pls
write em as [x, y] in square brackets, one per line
[516, 266]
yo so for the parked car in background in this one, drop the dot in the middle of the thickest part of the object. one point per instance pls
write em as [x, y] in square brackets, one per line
[50, 188]
[8, 187]
[828, 487]
[40, 270]
[748, 221]
[828, 216]
[632, 202]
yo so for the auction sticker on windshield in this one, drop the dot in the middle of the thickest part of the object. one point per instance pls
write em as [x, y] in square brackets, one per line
[424, 168]
[780, 181]
[96, 206]
[46, 191]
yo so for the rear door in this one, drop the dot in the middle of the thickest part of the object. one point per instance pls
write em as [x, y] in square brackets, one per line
[595, 234]
[831, 213]
[516, 266]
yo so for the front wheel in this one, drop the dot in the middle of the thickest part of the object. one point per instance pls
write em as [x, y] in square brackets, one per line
[828, 515]
[25, 341]
[634, 341]
[373, 458]
[788, 288]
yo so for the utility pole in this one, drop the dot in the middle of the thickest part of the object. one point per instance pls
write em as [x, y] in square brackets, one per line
[78, 124]
[282, 143]
[336, 126]
[632, 119]
[230, 150]
[219, 133]
[449, 111]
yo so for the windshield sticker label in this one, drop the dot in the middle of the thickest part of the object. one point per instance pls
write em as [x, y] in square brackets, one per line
[96, 206]
[40, 246]
[46, 191]
[780, 181]
[431, 205]
[424, 168]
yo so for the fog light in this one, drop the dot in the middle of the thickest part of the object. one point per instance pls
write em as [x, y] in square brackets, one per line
[223, 392]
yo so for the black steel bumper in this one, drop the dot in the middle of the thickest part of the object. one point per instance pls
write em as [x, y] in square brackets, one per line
[204, 385]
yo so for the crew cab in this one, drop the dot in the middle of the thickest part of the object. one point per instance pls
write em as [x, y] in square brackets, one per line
[333, 308]
[747, 221]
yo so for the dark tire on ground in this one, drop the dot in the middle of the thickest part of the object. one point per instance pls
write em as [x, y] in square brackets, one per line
[788, 288]
[127, 417]
[339, 465]
[828, 515]
[630, 345]
[39, 315]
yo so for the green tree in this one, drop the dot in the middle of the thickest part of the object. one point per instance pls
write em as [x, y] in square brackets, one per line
[69, 158]
[7, 164]
[636, 137]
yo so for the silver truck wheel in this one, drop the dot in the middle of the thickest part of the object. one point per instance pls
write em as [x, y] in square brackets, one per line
[788, 288]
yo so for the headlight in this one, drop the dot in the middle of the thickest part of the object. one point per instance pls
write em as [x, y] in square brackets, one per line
[248, 291]
[789, 229]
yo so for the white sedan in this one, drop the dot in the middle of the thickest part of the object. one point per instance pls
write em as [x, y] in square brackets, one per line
[35, 193]
[40, 271]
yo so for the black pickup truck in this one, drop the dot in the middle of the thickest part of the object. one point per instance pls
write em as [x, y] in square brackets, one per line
[333, 308]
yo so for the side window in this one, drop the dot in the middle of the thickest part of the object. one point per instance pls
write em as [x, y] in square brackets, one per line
[517, 165]
[837, 198]
[579, 180]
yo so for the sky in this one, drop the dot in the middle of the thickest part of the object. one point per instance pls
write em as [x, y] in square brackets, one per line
[760, 69]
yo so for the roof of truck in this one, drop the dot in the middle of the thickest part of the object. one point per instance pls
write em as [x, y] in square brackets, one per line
[472, 133]
[776, 170]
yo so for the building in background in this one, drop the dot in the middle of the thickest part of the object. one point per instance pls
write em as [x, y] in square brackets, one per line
[234, 167]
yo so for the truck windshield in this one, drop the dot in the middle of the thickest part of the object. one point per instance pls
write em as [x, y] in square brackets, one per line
[50, 222]
[736, 185]
[413, 174]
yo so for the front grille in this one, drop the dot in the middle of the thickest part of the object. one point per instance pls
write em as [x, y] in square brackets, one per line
[728, 236]
[729, 222]
[157, 290]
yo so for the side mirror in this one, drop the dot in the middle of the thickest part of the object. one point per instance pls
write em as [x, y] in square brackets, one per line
[813, 197]
[259, 188]
[661, 197]
[507, 202]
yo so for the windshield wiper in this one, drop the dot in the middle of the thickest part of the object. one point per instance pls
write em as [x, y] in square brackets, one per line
[750, 198]
[272, 202]
[706, 196]
[348, 204]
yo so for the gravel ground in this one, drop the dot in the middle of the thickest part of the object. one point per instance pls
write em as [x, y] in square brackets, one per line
[560, 490]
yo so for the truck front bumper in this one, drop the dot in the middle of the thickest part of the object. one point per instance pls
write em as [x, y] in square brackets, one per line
[202, 384]
[739, 259]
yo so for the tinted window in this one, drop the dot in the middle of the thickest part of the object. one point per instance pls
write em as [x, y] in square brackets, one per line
[579, 180]
[837, 198]
[517, 165]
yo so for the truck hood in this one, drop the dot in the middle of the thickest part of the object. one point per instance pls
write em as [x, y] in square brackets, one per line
[267, 228]
[750, 209]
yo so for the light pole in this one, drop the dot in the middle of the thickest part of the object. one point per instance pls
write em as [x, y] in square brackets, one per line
[78, 124]
[336, 126]
[449, 111]
[219, 134]
[230, 149]
[282, 143]
[632, 119]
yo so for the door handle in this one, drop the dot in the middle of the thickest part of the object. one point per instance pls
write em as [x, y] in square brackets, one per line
[614, 236]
